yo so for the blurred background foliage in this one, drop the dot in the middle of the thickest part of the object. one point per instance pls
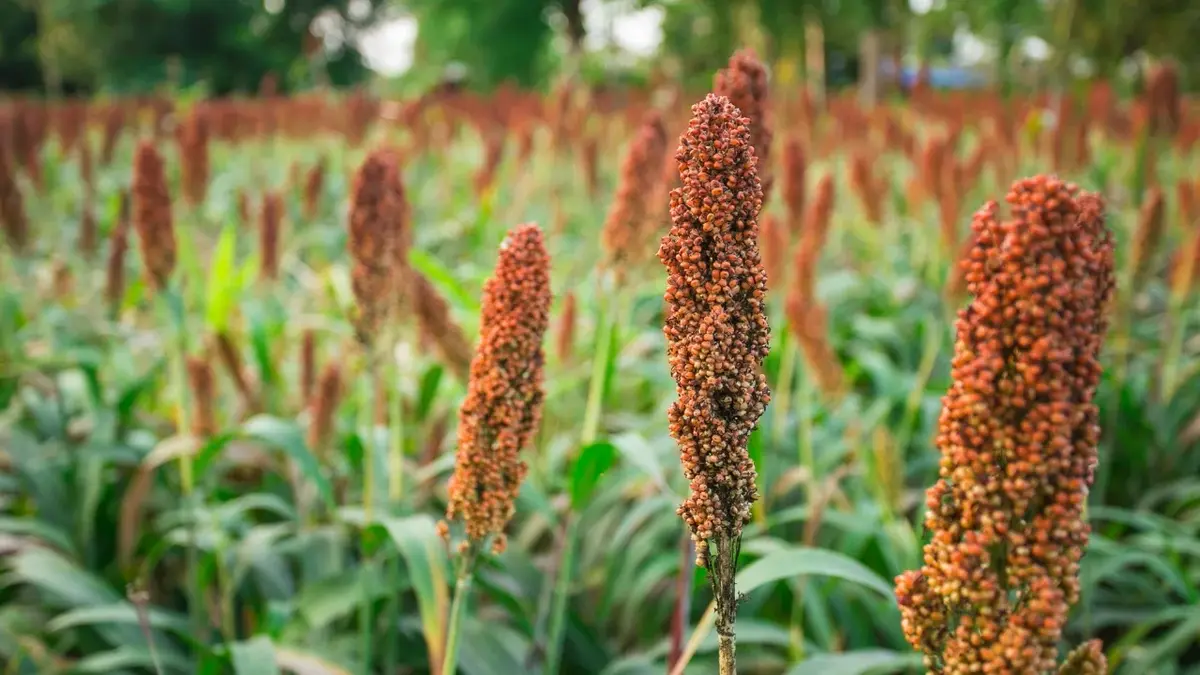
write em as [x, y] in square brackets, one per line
[98, 46]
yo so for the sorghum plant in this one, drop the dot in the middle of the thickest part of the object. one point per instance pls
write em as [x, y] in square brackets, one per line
[502, 409]
[717, 337]
[1017, 435]
[152, 215]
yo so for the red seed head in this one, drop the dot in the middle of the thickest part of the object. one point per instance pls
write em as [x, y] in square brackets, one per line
[152, 215]
[744, 83]
[716, 324]
[376, 211]
[631, 224]
[504, 395]
[270, 224]
[1018, 436]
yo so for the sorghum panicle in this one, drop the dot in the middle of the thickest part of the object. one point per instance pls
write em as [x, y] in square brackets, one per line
[773, 242]
[630, 226]
[12, 206]
[308, 365]
[566, 328]
[1017, 435]
[322, 406]
[314, 183]
[716, 324]
[152, 214]
[744, 83]
[437, 327]
[504, 394]
[204, 396]
[795, 167]
[270, 223]
[1147, 236]
[374, 214]
[192, 139]
[231, 360]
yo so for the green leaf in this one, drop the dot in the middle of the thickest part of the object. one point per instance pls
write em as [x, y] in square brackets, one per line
[444, 279]
[593, 462]
[861, 662]
[425, 558]
[804, 561]
[255, 656]
[127, 657]
[118, 613]
[287, 437]
[222, 281]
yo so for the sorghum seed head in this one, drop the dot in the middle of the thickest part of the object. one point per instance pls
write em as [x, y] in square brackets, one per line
[152, 214]
[744, 83]
[716, 324]
[375, 211]
[1017, 435]
[504, 394]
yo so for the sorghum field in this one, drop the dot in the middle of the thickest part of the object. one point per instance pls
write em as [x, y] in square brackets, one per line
[243, 342]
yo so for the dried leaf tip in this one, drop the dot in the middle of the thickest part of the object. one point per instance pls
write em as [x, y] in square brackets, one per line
[503, 405]
[716, 325]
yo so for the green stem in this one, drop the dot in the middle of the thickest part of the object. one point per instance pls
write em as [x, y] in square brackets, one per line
[595, 399]
[462, 589]
[562, 593]
[396, 451]
[1174, 351]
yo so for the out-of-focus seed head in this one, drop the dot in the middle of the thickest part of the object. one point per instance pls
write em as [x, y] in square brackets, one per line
[270, 224]
[631, 224]
[376, 212]
[1147, 237]
[503, 406]
[152, 215]
[773, 242]
[204, 396]
[744, 83]
[323, 405]
[314, 183]
[716, 324]
[566, 328]
[795, 171]
[12, 206]
[308, 365]
[437, 327]
[1018, 435]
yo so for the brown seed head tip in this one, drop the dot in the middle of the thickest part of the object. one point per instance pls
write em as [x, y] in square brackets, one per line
[375, 210]
[1004, 555]
[327, 395]
[716, 325]
[503, 405]
[744, 82]
[1086, 659]
[152, 214]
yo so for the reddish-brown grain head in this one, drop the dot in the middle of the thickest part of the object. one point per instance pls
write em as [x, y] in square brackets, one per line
[631, 224]
[716, 323]
[152, 217]
[503, 405]
[744, 83]
[204, 396]
[1001, 569]
[375, 214]
[270, 225]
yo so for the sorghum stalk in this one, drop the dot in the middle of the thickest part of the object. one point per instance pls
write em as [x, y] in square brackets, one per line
[118, 244]
[717, 337]
[1018, 435]
[502, 408]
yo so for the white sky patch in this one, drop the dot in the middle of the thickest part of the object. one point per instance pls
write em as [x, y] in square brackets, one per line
[387, 47]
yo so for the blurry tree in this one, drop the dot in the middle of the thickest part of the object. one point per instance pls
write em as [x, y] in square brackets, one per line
[496, 40]
[126, 45]
[19, 64]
